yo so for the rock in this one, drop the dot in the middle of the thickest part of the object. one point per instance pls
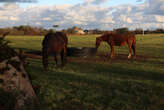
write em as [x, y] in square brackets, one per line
[81, 51]
[13, 77]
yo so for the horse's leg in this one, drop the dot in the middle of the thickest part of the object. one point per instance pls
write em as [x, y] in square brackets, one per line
[55, 58]
[62, 57]
[65, 54]
[112, 51]
[45, 60]
[134, 48]
[130, 49]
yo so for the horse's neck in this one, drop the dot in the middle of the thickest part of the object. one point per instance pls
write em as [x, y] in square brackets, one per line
[105, 38]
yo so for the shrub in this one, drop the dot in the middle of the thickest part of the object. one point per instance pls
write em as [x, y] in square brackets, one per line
[5, 51]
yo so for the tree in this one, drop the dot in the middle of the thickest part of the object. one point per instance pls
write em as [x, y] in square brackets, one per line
[159, 30]
[121, 30]
[138, 31]
[55, 26]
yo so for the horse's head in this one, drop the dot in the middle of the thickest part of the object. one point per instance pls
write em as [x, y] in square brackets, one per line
[98, 42]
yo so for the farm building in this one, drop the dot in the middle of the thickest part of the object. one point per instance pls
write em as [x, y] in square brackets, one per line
[78, 31]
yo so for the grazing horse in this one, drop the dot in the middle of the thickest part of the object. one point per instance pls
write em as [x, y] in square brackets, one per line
[53, 44]
[114, 39]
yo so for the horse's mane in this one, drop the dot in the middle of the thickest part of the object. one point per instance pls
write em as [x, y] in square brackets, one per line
[107, 35]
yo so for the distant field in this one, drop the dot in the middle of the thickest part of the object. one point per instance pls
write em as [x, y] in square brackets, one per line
[94, 84]
[148, 44]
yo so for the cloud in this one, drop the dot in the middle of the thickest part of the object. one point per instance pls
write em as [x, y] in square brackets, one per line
[85, 15]
[159, 18]
[11, 1]
[139, 0]
[96, 2]
[155, 7]
[13, 18]
[9, 6]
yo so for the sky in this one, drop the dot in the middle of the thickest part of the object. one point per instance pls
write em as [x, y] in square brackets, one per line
[73, 2]
[87, 14]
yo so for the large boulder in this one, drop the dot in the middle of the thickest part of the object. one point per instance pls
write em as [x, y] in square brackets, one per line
[14, 79]
[16, 91]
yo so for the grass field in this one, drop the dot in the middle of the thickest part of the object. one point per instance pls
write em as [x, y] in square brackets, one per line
[94, 84]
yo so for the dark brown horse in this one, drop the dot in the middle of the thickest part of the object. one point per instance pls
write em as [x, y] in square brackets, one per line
[114, 39]
[53, 44]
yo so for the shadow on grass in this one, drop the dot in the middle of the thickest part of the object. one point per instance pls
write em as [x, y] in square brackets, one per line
[132, 73]
[112, 70]
[27, 50]
[73, 89]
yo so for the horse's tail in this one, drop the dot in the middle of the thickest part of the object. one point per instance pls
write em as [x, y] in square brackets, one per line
[66, 41]
[65, 47]
[134, 46]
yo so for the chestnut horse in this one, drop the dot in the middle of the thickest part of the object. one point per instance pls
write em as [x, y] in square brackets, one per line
[53, 44]
[114, 39]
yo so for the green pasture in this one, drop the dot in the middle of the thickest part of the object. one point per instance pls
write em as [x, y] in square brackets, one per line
[90, 84]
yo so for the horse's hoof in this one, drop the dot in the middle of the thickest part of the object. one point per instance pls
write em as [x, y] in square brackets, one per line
[129, 57]
[112, 57]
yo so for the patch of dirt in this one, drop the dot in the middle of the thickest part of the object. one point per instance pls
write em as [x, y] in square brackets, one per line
[105, 58]
[33, 56]
[101, 57]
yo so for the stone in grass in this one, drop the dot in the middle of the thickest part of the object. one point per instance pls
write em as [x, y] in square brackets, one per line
[15, 78]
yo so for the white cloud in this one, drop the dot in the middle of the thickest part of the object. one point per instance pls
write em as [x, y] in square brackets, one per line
[38, 23]
[13, 18]
[3, 18]
[95, 1]
[159, 18]
[47, 19]
[85, 15]
[155, 7]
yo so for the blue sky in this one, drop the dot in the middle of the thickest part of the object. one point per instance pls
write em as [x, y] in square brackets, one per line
[73, 2]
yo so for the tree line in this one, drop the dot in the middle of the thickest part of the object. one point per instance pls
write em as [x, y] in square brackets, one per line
[29, 30]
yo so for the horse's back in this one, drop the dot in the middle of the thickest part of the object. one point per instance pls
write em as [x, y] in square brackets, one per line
[122, 39]
[62, 37]
[55, 42]
[58, 36]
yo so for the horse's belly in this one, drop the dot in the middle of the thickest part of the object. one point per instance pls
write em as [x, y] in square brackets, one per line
[120, 43]
[55, 50]
[123, 44]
